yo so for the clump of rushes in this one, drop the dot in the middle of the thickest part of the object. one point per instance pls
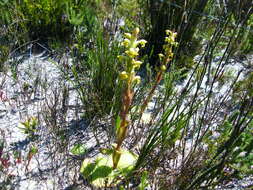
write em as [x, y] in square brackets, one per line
[165, 58]
[129, 78]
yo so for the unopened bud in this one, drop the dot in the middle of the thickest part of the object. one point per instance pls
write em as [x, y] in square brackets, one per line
[136, 31]
[163, 68]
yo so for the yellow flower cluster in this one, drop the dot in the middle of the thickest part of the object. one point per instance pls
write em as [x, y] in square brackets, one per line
[132, 44]
[170, 42]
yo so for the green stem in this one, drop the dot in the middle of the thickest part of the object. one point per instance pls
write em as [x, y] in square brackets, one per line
[122, 131]
[151, 92]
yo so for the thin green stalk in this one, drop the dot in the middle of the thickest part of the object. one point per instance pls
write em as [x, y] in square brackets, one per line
[129, 77]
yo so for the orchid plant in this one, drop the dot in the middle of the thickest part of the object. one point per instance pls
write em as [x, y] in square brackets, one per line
[114, 163]
[129, 77]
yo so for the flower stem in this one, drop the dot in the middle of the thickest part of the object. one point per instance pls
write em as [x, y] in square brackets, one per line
[151, 92]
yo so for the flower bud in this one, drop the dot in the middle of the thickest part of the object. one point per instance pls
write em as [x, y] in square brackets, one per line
[160, 56]
[168, 40]
[128, 35]
[125, 43]
[136, 63]
[137, 79]
[163, 68]
[170, 54]
[136, 31]
[132, 52]
[123, 75]
[168, 32]
[173, 35]
[142, 42]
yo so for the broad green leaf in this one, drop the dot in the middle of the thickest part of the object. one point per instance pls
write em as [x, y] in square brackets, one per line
[100, 172]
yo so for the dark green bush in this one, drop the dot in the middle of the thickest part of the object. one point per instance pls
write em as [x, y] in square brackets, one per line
[45, 18]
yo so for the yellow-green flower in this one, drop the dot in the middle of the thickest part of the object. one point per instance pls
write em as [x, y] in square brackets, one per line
[167, 47]
[163, 68]
[142, 42]
[160, 56]
[136, 31]
[137, 79]
[123, 75]
[136, 63]
[168, 39]
[173, 36]
[125, 43]
[175, 44]
[132, 44]
[128, 35]
[168, 32]
[132, 52]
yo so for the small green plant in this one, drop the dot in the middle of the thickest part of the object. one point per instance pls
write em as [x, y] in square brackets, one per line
[29, 126]
[144, 181]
